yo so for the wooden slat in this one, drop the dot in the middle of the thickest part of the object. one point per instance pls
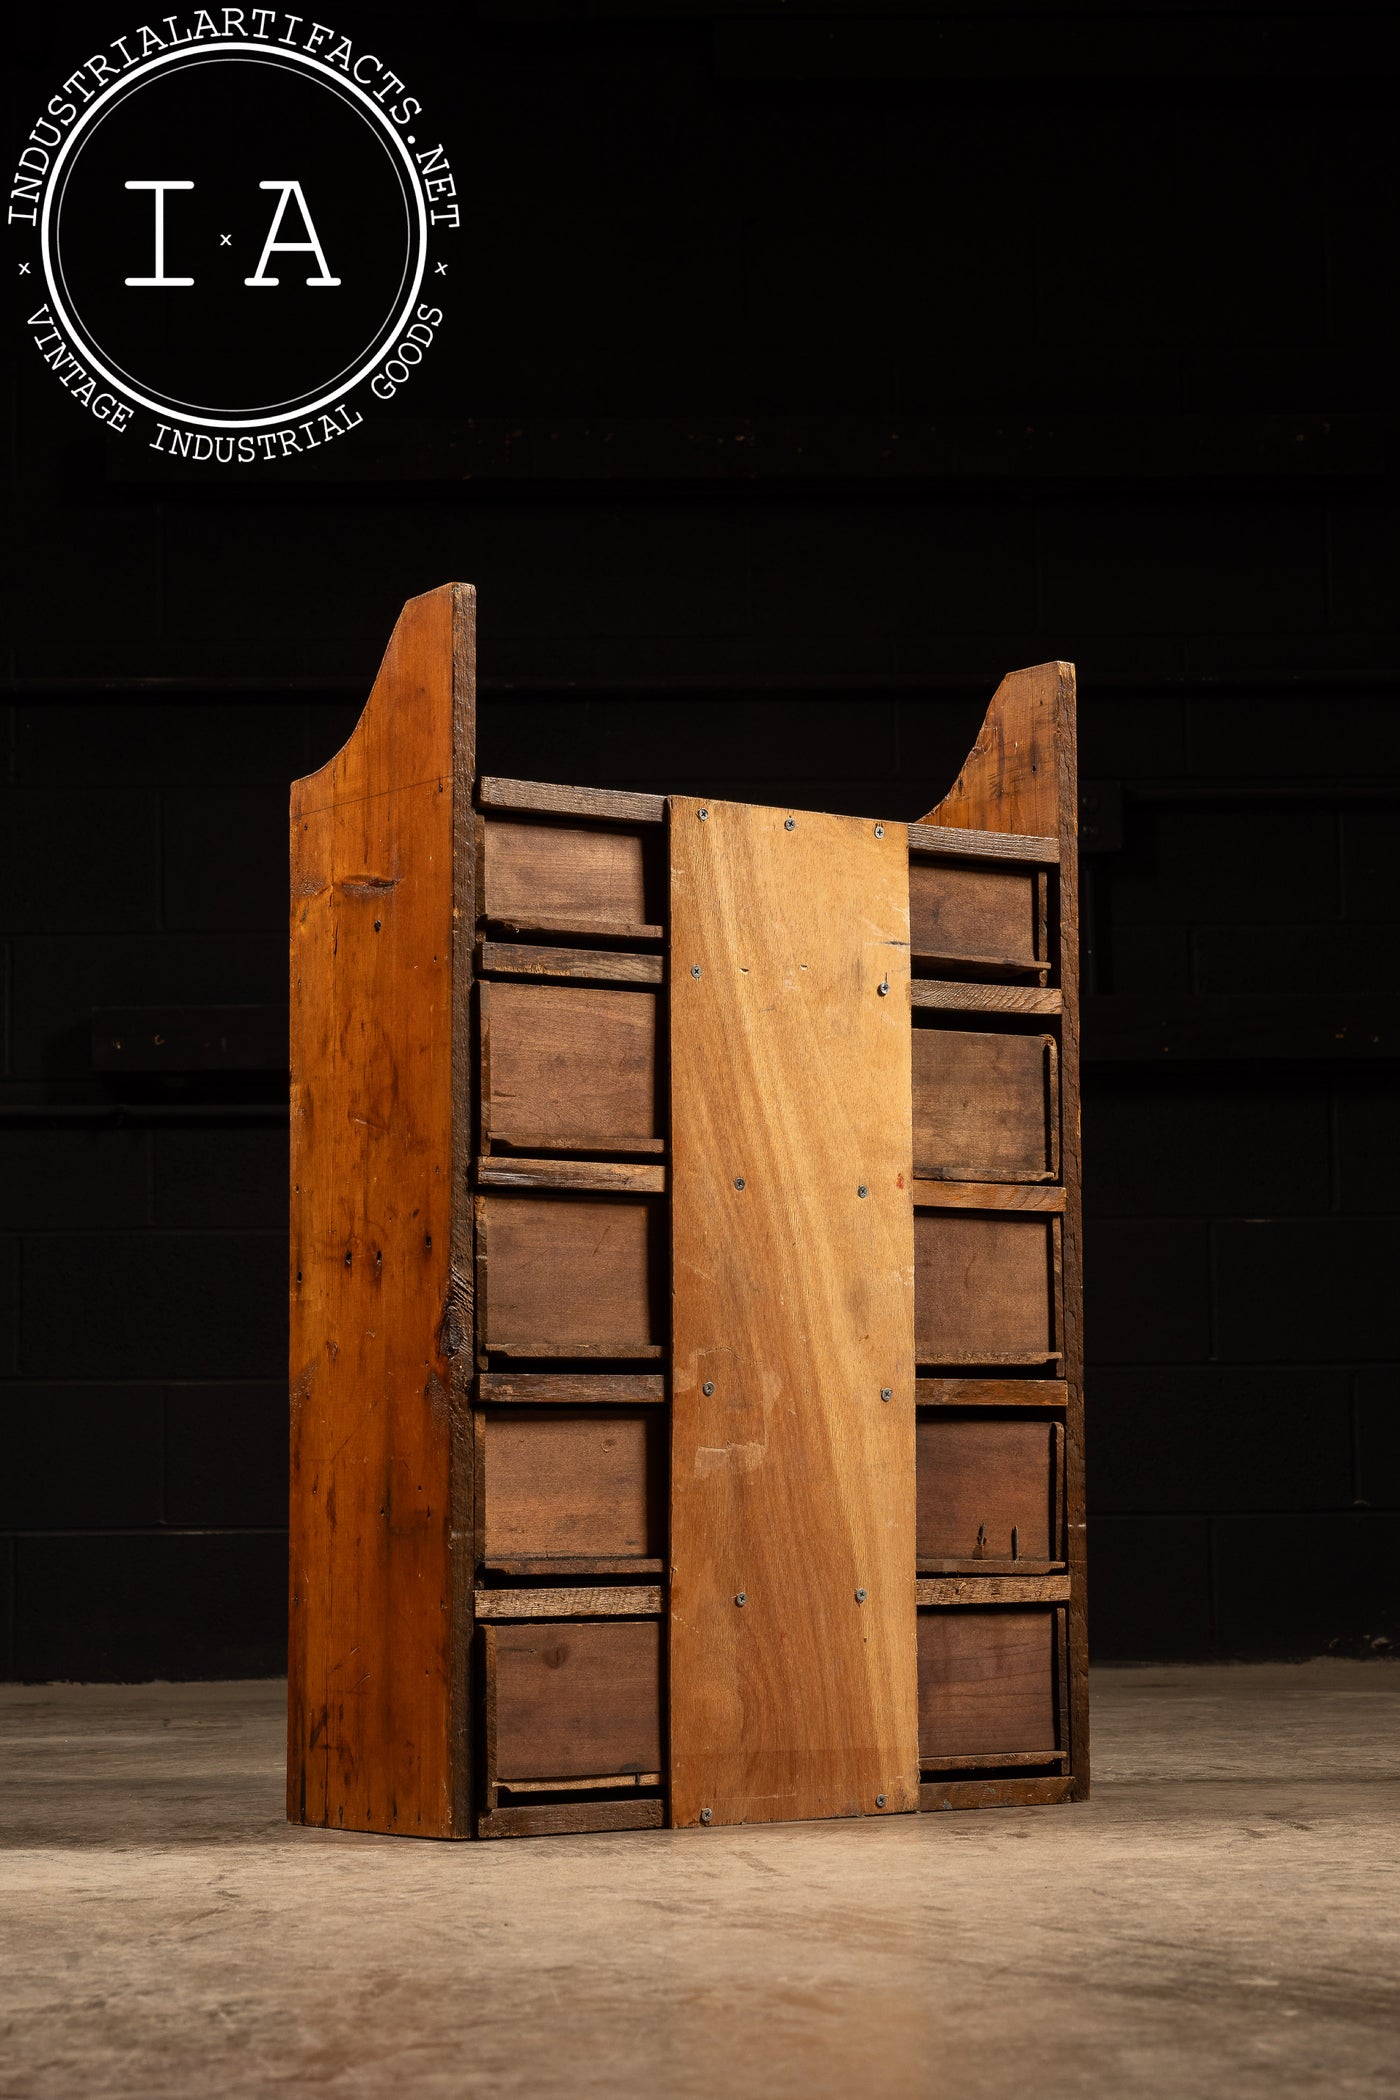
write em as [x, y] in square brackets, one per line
[986, 1195]
[556, 878]
[563, 1066]
[615, 804]
[982, 1288]
[587, 965]
[996, 1793]
[990, 1564]
[571, 1388]
[588, 1568]
[987, 1682]
[990, 1392]
[506, 1171]
[563, 1275]
[627, 1601]
[986, 1105]
[982, 845]
[373, 1650]
[978, 1763]
[987, 1486]
[982, 915]
[952, 997]
[566, 1821]
[569, 1701]
[992, 1589]
[610, 1780]
[581, 1484]
[790, 1074]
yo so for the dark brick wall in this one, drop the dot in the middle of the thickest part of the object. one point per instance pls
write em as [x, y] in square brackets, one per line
[809, 374]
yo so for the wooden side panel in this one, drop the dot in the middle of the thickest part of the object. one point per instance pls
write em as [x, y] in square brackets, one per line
[371, 1691]
[792, 1481]
[985, 1106]
[569, 1275]
[574, 1701]
[557, 877]
[562, 1484]
[983, 1288]
[966, 914]
[565, 1068]
[987, 1684]
[980, 1482]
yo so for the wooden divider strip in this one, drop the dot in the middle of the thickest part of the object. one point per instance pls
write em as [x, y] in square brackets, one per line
[956, 997]
[642, 1600]
[992, 1589]
[986, 1195]
[982, 845]
[507, 1171]
[586, 965]
[548, 799]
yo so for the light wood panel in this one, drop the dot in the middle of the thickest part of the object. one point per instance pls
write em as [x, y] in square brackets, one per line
[581, 1484]
[792, 1481]
[371, 1737]
[564, 1067]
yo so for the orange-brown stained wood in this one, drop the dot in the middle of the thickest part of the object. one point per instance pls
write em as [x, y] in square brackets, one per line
[792, 1301]
[371, 1134]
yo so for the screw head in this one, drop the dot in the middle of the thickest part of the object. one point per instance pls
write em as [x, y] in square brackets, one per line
[789, 823]
[883, 990]
[708, 1387]
[738, 1181]
[695, 969]
[887, 1392]
[879, 1800]
[706, 1815]
[703, 815]
[880, 833]
[742, 1598]
[860, 1596]
[862, 1190]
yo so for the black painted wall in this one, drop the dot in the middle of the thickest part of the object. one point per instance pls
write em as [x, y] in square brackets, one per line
[801, 376]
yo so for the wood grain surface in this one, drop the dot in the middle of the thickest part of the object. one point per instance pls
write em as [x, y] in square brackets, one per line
[566, 1388]
[954, 997]
[371, 1738]
[579, 1484]
[980, 1481]
[987, 1682]
[986, 1105]
[983, 1287]
[792, 1482]
[557, 877]
[636, 1600]
[583, 965]
[569, 1275]
[567, 1066]
[972, 914]
[616, 805]
[960, 840]
[572, 1701]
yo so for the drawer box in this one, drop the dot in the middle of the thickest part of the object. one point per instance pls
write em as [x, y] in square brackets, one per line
[985, 1287]
[561, 1275]
[557, 878]
[992, 916]
[568, 1070]
[986, 1106]
[986, 1487]
[570, 1700]
[989, 1684]
[585, 1485]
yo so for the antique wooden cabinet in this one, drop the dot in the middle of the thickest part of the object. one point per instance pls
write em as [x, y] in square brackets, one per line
[685, 1352]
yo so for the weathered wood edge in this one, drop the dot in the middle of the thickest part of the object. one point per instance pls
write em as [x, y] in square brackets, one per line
[580, 965]
[561, 1821]
[986, 1195]
[1066, 754]
[571, 1388]
[991, 1589]
[997, 1793]
[955, 996]
[458, 1320]
[549, 799]
[642, 1600]
[991, 1392]
[980, 1760]
[950, 840]
[509, 1171]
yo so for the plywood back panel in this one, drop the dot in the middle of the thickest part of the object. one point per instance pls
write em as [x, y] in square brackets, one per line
[562, 1068]
[562, 1275]
[983, 1287]
[573, 1700]
[968, 914]
[563, 1484]
[980, 1481]
[984, 1105]
[543, 876]
[987, 1683]
[792, 1480]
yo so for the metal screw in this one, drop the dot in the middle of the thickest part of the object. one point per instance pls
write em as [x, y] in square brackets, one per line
[789, 823]
[706, 1815]
[738, 1181]
[887, 1392]
[702, 814]
[879, 1800]
[695, 969]
[860, 1596]
[862, 1190]
[708, 1387]
[880, 833]
[742, 1598]
[883, 990]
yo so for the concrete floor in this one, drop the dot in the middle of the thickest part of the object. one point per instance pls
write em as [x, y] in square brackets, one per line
[1223, 1918]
